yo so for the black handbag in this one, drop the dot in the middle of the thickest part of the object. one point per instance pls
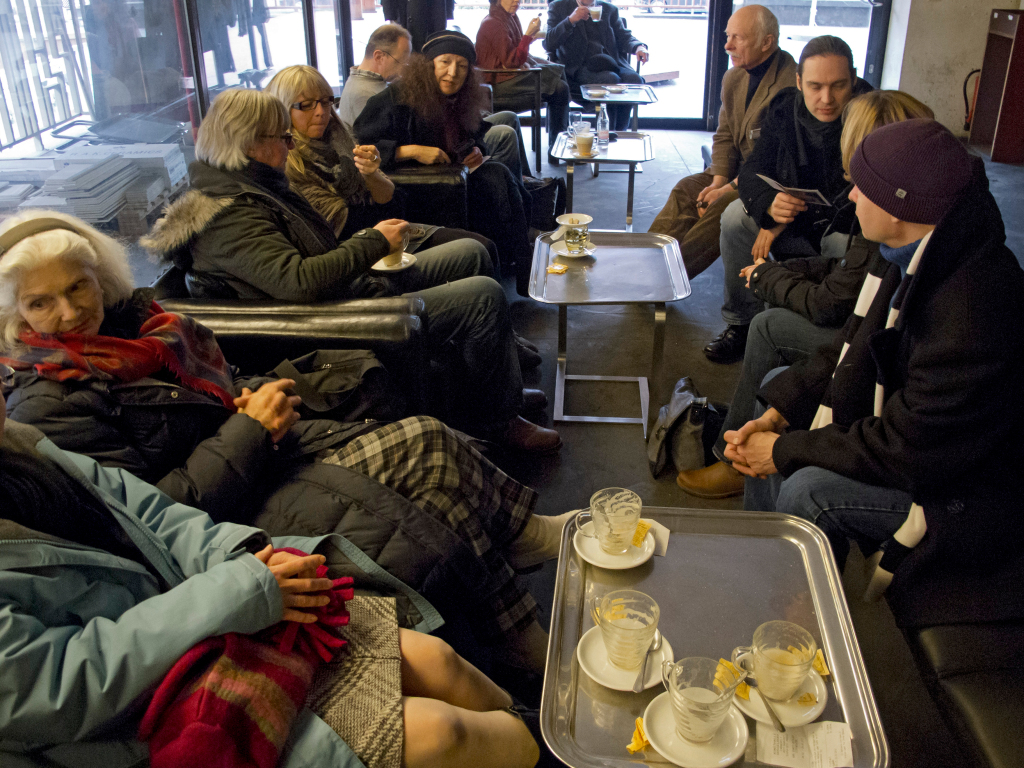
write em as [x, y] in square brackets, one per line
[685, 431]
[345, 385]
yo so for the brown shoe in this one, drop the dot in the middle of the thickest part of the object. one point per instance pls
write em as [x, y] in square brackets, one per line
[526, 436]
[719, 481]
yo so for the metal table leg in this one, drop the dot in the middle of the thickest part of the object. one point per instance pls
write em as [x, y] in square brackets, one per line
[629, 198]
[636, 118]
[657, 359]
[568, 185]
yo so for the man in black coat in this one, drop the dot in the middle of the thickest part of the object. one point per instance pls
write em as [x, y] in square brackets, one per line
[591, 40]
[798, 148]
[904, 434]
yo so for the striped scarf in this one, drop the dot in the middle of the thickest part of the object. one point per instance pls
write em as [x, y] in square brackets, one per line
[914, 527]
[231, 700]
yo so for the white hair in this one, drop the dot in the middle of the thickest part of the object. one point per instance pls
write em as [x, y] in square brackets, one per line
[238, 118]
[80, 243]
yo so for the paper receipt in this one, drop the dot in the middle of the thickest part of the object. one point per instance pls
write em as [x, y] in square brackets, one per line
[818, 745]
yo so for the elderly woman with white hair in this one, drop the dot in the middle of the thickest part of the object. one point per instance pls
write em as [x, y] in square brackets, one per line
[243, 232]
[102, 370]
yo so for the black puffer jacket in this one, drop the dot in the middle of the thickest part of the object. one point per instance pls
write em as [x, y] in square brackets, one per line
[246, 235]
[822, 289]
[201, 454]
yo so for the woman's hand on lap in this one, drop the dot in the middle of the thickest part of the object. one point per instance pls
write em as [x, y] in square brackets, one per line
[296, 578]
[474, 159]
[427, 155]
[270, 406]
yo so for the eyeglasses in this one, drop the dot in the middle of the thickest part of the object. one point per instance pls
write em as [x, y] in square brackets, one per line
[309, 106]
[287, 138]
[390, 56]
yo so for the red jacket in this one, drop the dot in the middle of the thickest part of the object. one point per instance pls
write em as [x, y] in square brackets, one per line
[500, 43]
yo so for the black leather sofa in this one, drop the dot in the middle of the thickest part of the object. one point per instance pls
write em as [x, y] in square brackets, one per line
[975, 674]
[257, 335]
[437, 193]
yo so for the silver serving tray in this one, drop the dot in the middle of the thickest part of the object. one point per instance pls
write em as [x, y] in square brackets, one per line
[634, 94]
[725, 573]
[627, 267]
[629, 147]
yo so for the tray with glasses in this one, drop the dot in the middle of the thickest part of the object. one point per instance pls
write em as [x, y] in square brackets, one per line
[738, 605]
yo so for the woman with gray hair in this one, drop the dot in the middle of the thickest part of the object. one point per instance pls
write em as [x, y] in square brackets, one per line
[102, 370]
[242, 232]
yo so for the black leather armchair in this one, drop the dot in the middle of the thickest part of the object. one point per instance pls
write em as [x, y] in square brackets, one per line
[975, 673]
[257, 335]
[436, 194]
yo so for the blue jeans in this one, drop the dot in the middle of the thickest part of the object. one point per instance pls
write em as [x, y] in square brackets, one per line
[842, 508]
[739, 231]
[777, 337]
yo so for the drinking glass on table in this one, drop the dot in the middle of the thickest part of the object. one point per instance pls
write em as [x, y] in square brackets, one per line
[575, 116]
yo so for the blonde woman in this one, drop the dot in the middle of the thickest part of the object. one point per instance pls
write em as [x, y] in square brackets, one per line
[809, 298]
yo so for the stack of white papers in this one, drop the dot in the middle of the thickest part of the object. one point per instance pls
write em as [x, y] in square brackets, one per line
[93, 190]
[13, 194]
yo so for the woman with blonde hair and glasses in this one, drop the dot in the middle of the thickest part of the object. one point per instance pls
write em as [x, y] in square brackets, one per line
[243, 232]
[343, 181]
[809, 299]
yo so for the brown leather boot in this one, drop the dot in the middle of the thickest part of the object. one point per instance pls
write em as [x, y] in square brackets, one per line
[719, 481]
[523, 435]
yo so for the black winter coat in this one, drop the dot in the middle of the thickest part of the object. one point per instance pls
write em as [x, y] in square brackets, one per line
[573, 45]
[822, 289]
[246, 235]
[949, 434]
[777, 155]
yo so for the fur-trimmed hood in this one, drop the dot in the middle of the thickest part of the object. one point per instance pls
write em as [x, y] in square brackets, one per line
[213, 191]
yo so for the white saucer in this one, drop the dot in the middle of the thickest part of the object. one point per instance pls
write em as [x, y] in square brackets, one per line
[790, 713]
[562, 249]
[408, 259]
[580, 156]
[593, 658]
[590, 550]
[726, 747]
[615, 88]
[596, 92]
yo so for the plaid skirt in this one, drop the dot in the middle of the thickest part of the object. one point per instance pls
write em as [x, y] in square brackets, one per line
[430, 465]
[359, 693]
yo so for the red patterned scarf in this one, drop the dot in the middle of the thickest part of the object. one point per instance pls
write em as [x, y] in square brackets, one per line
[166, 340]
[230, 701]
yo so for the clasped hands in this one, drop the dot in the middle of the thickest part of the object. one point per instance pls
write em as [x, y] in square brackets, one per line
[437, 156]
[749, 448]
[270, 406]
[296, 578]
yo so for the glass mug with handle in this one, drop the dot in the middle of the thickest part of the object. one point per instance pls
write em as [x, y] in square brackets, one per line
[627, 620]
[394, 258]
[780, 658]
[701, 691]
[615, 513]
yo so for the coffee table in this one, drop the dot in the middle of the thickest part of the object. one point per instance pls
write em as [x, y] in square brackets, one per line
[725, 573]
[629, 149]
[634, 94]
[626, 268]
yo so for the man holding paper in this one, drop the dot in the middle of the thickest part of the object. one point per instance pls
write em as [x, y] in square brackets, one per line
[798, 149]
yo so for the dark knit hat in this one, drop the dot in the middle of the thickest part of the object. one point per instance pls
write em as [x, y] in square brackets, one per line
[449, 41]
[913, 170]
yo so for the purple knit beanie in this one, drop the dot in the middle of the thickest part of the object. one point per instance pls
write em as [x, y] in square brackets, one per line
[913, 170]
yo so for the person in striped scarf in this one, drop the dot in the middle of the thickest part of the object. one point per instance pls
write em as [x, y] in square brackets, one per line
[903, 435]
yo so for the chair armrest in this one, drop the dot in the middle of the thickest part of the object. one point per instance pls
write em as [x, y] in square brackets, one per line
[257, 335]
[437, 193]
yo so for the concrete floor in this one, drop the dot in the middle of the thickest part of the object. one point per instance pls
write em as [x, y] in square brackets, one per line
[617, 341]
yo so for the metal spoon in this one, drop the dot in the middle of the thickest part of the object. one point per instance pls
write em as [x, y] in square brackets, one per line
[655, 645]
[764, 699]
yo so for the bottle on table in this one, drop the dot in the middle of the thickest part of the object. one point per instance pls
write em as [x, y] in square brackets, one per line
[603, 126]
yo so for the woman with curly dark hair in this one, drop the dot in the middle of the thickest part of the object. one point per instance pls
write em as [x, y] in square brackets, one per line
[433, 115]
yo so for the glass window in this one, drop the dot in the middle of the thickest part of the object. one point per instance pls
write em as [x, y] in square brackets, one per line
[329, 52]
[95, 116]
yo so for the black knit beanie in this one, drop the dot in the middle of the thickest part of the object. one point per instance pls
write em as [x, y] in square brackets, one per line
[449, 41]
[913, 170]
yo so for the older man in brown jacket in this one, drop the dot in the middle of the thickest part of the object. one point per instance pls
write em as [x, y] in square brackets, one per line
[760, 70]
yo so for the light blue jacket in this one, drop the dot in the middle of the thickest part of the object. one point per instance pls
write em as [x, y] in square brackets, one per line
[85, 635]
